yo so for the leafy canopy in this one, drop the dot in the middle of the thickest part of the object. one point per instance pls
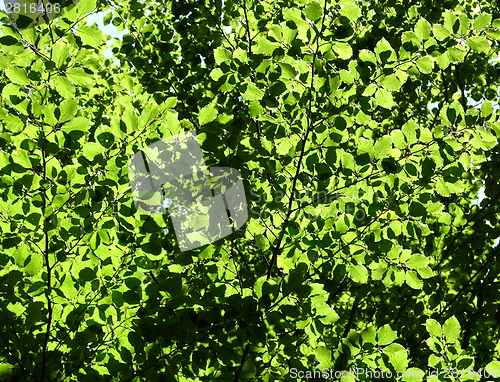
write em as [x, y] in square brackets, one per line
[364, 132]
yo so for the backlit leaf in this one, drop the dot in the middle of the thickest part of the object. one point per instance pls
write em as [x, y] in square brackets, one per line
[384, 98]
[451, 329]
[313, 10]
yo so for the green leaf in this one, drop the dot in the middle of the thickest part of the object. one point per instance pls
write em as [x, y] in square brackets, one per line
[13, 123]
[425, 64]
[482, 21]
[240, 55]
[283, 148]
[324, 355]
[364, 187]
[35, 264]
[440, 32]
[17, 75]
[370, 90]
[148, 114]
[493, 34]
[64, 87]
[399, 360]
[351, 11]
[21, 254]
[465, 161]
[455, 55]
[293, 280]
[455, 187]
[67, 109]
[384, 51]
[358, 273]
[131, 120]
[366, 146]
[59, 200]
[266, 47]
[449, 20]
[168, 104]
[384, 98]
[91, 35]
[328, 315]
[493, 369]
[464, 23]
[423, 29]
[252, 93]
[442, 188]
[410, 41]
[255, 109]
[391, 82]
[10, 45]
[346, 76]
[293, 14]
[87, 274]
[78, 123]
[451, 329]
[262, 242]
[367, 56]
[289, 34]
[91, 150]
[443, 60]
[410, 131]
[210, 141]
[288, 71]
[79, 76]
[85, 7]
[398, 139]
[207, 114]
[107, 19]
[348, 161]
[313, 10]
[412, 280]
[417, 261]
[383, 147]
[343, 50]
[385, 335]
[486, 109]
[479, 44]
[433, 327]
[222, 55]
[60, 52]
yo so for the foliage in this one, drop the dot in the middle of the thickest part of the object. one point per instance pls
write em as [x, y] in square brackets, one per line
[363, 249]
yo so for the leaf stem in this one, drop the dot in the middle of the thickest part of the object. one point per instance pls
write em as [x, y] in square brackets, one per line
[47, 264]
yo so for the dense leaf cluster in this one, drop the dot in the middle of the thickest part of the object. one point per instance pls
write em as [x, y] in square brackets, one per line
[363, 131]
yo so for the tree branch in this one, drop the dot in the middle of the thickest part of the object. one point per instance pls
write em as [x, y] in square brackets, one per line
[354, 309]
[301, 157]
[248, 29]
[461, 86]
[243, 359]
[47, 264]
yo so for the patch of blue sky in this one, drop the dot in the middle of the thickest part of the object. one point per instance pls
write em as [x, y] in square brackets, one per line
[109, 29]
